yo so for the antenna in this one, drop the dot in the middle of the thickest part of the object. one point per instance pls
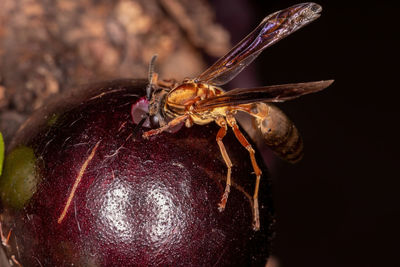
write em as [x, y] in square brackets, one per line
[150, 76]
[148, 93]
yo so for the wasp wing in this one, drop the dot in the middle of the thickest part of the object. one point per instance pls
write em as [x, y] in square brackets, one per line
[272, 29]
[273, 93]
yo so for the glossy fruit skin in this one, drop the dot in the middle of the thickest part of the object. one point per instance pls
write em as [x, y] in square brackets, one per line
[137, 202]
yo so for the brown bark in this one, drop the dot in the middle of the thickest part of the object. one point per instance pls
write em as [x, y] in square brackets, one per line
[47, 46]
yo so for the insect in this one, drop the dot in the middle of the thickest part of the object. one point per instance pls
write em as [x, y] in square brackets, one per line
[202, 101]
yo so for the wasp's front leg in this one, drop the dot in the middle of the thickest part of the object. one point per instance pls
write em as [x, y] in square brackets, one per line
[170, 124]
[233, 124]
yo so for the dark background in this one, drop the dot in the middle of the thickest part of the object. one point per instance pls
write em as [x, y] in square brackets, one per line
[339, 206]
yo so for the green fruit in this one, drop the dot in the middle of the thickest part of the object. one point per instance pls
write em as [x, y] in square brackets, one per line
[19, 180]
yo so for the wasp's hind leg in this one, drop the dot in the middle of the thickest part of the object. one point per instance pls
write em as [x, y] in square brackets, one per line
[256, 214]
[220, 135]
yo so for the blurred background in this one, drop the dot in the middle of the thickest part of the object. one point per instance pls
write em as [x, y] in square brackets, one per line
[339, 205]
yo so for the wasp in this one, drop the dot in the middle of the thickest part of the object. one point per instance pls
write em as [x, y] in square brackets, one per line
[201, 100]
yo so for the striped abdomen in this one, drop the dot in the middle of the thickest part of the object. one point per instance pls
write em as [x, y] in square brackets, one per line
[279, 132]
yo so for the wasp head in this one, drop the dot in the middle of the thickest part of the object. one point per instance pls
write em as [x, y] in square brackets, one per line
[156, 108]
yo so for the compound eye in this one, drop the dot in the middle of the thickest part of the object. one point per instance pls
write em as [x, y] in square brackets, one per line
[154, 122]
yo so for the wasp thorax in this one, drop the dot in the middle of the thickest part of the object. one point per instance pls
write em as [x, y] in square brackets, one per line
[182, 94]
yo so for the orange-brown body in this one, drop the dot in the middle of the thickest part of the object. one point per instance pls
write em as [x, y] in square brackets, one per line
[279, 133]
[182, 100]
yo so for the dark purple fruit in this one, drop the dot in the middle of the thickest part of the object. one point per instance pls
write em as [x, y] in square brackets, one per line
[80, 188]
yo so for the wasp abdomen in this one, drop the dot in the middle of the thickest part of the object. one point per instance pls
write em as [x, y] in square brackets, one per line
[279, 133]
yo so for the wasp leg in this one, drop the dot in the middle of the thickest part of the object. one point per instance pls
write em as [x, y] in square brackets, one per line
[256, 214]
[220, 135]
[170, 124]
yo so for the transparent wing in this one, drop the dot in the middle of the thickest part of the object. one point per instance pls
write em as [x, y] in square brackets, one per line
[272, 29]
[273, 93]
